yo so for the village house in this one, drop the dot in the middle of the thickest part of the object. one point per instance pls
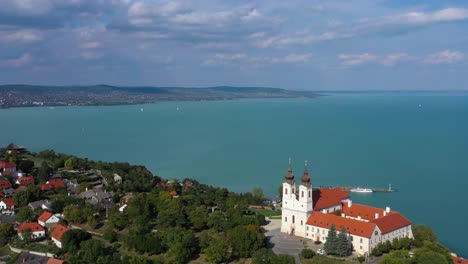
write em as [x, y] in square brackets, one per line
[52, 185]
[310, 214]
[117, 178]
[41, 204]
[7, 168]
[25, 180]
[7, 205]
[47, 219]
[57, 235]
[97, 197]
[4, 183]
[37, 231]
[6, 193]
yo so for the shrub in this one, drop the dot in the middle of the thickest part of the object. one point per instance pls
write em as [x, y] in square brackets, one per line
[307, 253]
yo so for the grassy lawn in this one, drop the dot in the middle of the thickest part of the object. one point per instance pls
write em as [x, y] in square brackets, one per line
[266, 212]
[5, 251]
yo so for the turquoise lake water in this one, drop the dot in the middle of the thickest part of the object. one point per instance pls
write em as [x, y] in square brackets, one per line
[368, 140]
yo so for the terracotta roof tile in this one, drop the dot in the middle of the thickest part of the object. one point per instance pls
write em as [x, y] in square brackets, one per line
[45, 216]
[327, 197]
[33, 226]
[354, 227]
[391, 222]
[9, 201]
[46, 187]
[58, 232]
[5, 184]
[57, 183]
[55, 261]
[457, 260]
[25, 180]
[364, 211]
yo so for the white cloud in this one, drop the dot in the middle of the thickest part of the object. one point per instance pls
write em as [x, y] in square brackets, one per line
[356, 59]
[444, 57]
[17, 62]
[221, 58]
[90, 45]
[146, 8]
[443, 15]
[90, 55]
[395, 58]
[20, 36]
[257, 35]
[299, 39]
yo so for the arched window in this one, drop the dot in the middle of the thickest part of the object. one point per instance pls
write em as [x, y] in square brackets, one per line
[309, 194]
[302, 222]
[286, 219]
[285, 191]
[293, 191]
[294, 219]
[302, 193]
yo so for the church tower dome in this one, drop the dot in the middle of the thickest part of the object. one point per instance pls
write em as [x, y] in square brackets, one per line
[289, 178]
[305, 177]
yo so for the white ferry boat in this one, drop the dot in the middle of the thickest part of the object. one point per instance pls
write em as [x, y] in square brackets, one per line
[360, 190]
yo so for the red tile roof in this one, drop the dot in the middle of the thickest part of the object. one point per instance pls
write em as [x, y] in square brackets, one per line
[58, 232]
[327, 197]
[173, 193]
[57, 183]
[9, 201]
[457, 260]
[55, 261]
[391, 222]
[21, 188]
[364, 211]
[25, 180]
[2, 195]
[46, 187]
[4, 165]
[354, 227]
[33, 226]
[45, 216]
[5, 184]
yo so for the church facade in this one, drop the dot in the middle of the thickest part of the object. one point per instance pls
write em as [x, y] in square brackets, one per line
[309, 213]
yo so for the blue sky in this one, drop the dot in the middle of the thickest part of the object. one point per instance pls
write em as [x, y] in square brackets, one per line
[309, 45]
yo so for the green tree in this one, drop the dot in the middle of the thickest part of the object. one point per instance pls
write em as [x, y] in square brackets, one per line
[423, 233]
[284, 259]
[263, 256]
[307, 253]
[181, 243]
[432, 250]
[21, 198]
[91, 250]
[26, 235]
[25, 166]
[218, 250]
[343, 247]
[71, 163]
[258, 195]
[361, 259]
[110, 234]
[245, 240]
[198, 217]
[72, 239]
[92, 221]
[44, 172]
[25, 214]
[397, 257]
[6, 233]
[331, 245]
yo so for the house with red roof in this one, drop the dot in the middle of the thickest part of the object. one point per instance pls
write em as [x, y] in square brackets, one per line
[52, 185]
[4, 183]
[310, 214]
[7, 204]
[7, 168]
[37, 231]
[57, 235]
[47, 219]
[25, 180]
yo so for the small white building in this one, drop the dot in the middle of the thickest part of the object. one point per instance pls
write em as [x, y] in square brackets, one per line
[57, 235]
[48, 219]
[310, 214]
[37, 231]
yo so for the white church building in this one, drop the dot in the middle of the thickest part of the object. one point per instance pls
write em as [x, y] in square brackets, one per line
[310, 213]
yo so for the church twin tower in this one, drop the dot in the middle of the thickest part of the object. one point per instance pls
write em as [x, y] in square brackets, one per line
[297, 205]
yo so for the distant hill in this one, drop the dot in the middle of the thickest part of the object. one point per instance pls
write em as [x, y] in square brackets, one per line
[18, 95]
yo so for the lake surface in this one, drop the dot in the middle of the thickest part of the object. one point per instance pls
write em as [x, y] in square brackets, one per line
[418, 142]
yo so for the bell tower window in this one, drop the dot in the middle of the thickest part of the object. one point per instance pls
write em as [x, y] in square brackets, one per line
[293, 219]
[302, 193]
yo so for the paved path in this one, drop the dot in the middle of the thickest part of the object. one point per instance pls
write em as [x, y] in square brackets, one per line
[282, 243]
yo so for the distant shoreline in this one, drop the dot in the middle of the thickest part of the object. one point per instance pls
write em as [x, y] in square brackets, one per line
[104, 95]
